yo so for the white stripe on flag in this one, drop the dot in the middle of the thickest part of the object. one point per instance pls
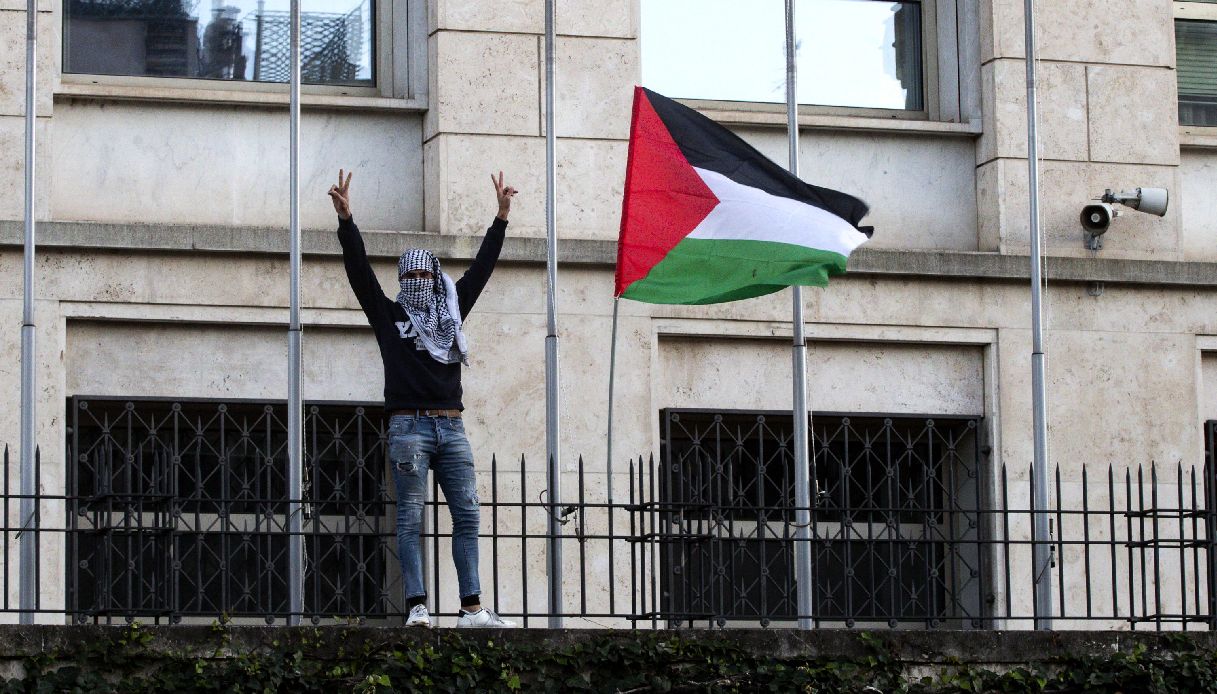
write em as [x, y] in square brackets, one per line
[749, 214]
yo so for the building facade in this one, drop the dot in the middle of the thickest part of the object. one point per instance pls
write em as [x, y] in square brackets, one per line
[162, 284]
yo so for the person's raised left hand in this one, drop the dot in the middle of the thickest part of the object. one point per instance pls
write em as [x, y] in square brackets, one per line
[504, 193]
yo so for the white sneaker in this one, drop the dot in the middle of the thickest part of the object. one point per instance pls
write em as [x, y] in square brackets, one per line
[484, 618]
[419, 617]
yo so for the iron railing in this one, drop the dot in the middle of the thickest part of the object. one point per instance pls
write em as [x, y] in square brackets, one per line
[175, 511]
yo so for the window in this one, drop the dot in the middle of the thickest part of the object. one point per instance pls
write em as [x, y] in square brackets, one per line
[862, 54]
[231, 42]
[896, 528]
[1196, 61]
[177, 509]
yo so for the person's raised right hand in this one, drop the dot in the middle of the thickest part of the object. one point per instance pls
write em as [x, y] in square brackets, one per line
[340, 195]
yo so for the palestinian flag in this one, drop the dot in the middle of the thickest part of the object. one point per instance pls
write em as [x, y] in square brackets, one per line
[707, 218]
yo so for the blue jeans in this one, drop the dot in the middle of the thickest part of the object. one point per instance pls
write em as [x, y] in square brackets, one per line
[417, 444]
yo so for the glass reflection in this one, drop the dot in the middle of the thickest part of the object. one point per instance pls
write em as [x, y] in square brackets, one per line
[861, 53]
[230, 40]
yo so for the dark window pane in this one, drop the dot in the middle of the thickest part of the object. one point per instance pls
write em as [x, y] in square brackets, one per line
[1196, 59]
[244, 40]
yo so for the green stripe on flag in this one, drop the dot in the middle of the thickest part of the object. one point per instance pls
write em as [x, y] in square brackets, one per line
[711, 271]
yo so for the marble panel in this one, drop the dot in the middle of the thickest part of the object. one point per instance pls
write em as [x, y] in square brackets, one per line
[591, 183]
[500, 16]
[921, 190]
[1140, 33]
[1065, 187]
[12, 62]
[615, 18]
[484, 83]
[842, 377]
[1198, 204]
[119, 162]
[1116, 398]
[463, 198]
[1147, 133]
[12, 160]
[594, 87]
[1061, 111]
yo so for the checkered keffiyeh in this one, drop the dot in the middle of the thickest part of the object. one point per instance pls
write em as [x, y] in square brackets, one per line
[432, 307]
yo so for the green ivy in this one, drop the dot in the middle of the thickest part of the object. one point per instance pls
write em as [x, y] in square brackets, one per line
[128, 661]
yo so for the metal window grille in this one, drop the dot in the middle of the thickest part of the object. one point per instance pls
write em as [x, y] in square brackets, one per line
[179, 509]
[896, 522]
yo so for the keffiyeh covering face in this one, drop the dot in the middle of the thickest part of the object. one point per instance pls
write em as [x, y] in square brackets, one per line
[432, 307]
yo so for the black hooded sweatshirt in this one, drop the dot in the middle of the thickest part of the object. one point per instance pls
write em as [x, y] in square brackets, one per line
[413, 379]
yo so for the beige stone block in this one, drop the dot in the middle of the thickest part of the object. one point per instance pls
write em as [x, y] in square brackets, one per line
[921, 189]
[590, 180]
[591, 183]
[1140, 33]
[1065, 187]
[842, 377]
[1197, 204]
[1061, 111]
[1147, 133]
[500, 16]
[12, 62]
[484, 83]
[615, 18]
[989, 189]
[1144, 386]
[594, 80]
[464, 198]
[235, 171]
[12, 160]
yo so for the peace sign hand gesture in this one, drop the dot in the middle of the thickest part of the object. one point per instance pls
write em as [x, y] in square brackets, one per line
[504, 194]
[340, 195]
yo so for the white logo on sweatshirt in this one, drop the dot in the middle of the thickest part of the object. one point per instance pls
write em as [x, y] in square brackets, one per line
[405, 329]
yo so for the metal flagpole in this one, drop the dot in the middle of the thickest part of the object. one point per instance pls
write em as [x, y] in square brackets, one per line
[551, 338]
[802, 417]
[1042, 553]
[28, 578]
[608, 469]
[295, 409]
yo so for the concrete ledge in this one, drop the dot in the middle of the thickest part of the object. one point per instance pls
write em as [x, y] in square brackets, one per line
[910, 647]
[94, 236]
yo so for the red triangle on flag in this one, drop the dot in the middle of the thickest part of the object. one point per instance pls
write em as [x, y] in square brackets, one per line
[664, 200]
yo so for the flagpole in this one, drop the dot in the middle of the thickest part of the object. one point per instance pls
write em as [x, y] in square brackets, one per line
[28, 577]
[1041, 554]
[608, 463]
[295, 409]
[552, 453]
[802, 417]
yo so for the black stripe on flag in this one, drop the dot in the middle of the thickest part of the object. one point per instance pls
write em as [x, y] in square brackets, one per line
[708, 145]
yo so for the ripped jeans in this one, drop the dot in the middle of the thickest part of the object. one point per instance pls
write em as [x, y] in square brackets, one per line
[417, 444]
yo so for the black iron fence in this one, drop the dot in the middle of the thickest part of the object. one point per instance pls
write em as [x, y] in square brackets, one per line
[172, 511]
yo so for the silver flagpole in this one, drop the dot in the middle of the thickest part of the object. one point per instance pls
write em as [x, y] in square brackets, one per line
[295, 409]
[612, 380]
[1042, 554]
[28, 578]
[802, 417]
[554, 459]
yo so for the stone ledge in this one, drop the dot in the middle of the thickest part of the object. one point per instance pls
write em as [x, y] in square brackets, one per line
[910, 647]
[380, 244]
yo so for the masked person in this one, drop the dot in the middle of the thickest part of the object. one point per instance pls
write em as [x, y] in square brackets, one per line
[422, 345]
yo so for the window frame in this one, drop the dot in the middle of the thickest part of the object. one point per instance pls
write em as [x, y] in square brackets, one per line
[950, 74]
[400, 69]
[1196, 12]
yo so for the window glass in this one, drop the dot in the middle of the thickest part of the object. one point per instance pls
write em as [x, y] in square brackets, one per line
[1196, 60]
[860, 53]
[247, 40]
